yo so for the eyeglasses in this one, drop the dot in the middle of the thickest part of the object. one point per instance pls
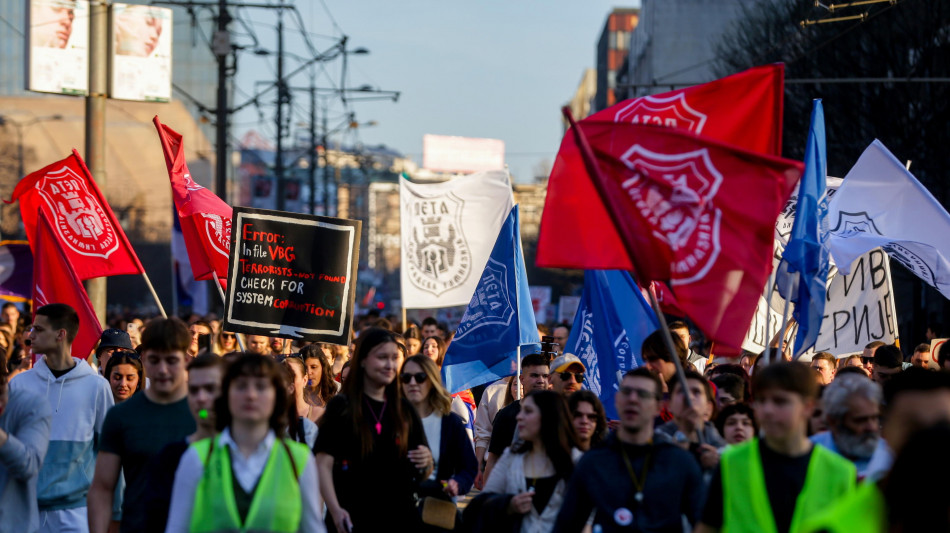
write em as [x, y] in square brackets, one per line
[566, 376]
[420, 377]
[643, 394]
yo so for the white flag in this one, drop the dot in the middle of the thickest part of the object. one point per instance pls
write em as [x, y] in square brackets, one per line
[448, 231]
[880, 203]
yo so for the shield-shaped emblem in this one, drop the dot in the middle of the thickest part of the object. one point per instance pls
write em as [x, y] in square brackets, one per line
[79, 219]
[439, 254]
[490, 304]
[675, 194]
[217, 232]
[670, 111]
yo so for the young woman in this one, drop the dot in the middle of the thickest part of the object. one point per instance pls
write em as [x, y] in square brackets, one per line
[736, 423]
[301, 426]
[588, 417]
[248, 478]
[434, 348]
[533, 475]
[125, 373]
[320, 384]
[372, 449]
[225, 342]
[413, 339]
[452, 453]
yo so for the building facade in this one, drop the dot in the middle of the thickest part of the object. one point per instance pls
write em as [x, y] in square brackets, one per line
[611, 52]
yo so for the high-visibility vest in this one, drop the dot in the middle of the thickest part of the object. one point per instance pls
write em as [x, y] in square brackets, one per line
[276, 503]
[863, 510]
[746, 507]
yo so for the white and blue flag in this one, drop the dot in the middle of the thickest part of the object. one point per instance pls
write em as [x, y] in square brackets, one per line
[499, 318]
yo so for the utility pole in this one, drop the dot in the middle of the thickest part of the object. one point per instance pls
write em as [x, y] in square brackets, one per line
[326, 167]
[221, 46]
[312, 171]
[282, 96]
[96, 124]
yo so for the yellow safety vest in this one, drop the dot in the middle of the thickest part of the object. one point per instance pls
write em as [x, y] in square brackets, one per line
[276, 504]
[746, 507]
[863, 510]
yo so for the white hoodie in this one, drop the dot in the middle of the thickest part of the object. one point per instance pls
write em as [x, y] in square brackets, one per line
[79, 400]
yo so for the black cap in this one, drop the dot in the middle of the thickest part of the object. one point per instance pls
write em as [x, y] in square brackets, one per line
[888, 356]
[114, 338]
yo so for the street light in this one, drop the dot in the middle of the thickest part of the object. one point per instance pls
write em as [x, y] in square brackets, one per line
[19, 127]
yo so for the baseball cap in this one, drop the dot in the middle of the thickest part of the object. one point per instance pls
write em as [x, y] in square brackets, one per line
[114, 338]
[564, 361]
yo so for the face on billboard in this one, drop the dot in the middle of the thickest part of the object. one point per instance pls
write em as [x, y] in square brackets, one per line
[137, 30]
[51, 22]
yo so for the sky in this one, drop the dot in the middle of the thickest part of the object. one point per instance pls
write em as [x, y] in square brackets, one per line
[495, 68]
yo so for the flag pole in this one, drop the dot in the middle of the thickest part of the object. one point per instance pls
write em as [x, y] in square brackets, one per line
[518, 372]
[781, 339]
[594, 171]
[217, 284]
[769, 289]
[152, 290]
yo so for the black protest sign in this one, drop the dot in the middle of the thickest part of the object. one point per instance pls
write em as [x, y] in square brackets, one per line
[292, 275]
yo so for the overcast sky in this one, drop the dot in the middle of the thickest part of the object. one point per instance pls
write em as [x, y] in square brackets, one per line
[494, 68]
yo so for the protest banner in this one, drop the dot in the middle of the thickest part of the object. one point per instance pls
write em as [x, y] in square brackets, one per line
[540, 301]
[292, 275]
[859, 309]
[567, 308]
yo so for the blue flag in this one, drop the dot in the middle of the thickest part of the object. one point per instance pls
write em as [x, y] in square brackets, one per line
[499, 318]
[611, 322]
[805, 263]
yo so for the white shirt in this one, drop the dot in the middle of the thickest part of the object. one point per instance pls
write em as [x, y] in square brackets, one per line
[246, 471]
[432, 425]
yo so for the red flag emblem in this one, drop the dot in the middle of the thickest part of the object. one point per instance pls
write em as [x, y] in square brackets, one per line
[744, 110]
[55, 281]
[205, 219]
[79, 217]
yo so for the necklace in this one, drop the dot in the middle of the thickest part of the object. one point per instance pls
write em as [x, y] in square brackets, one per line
[638, 482]
[379, 419]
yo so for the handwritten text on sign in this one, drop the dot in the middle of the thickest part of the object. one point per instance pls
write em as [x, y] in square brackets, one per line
[292, 275]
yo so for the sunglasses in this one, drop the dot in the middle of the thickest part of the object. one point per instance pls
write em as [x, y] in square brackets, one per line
[407, 378]
[566, 376]
[867, 360]
[227, 335]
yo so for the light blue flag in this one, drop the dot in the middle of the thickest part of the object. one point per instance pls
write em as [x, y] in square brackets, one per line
[611, 322]
[805, 263]
[499, 318]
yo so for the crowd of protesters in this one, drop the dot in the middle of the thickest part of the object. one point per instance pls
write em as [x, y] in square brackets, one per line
[175, 425]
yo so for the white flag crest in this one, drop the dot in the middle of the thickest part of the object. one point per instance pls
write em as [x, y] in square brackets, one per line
[448, 230]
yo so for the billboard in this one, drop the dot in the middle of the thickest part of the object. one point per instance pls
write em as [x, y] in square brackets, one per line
[57, 46]
[140, 53]
[462, 154]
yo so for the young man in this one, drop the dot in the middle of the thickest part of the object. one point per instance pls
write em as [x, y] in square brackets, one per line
[922, 359]
[24, 437]
[681, 329]
[204, 386]
[535, 375]
[689, 429]
[567, 374]
[631, 482]
[656, 357]
[775, 482]
[110, 341]
[824, 364]
[79, 399]
[137, 429]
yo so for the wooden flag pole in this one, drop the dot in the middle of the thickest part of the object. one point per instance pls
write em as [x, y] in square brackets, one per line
[154, 294]
[225, 303]
[594, 171]
[781, 339]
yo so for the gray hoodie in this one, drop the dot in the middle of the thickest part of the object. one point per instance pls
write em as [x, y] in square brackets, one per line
[26, 419]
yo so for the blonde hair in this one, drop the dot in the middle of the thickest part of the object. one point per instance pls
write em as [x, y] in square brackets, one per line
[438, 398]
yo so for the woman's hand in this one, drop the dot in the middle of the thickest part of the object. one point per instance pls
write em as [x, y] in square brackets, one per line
[708, 456]
[421, 457]
[520, 503]
[341, 519]
[451, 488]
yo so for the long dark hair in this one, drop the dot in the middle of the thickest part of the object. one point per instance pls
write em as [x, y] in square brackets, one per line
[353, 390]
[293, 417]
[440, 344]
[557, 431]
[325, 388]
[253, 365]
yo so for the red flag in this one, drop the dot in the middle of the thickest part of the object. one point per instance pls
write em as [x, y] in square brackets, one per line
[664, 296]
[55, 281]
[692, 211]
[744, 109]
[81, 220]
[205, 218]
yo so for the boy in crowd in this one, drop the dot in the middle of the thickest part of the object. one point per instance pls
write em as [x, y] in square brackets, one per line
[774, 482]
